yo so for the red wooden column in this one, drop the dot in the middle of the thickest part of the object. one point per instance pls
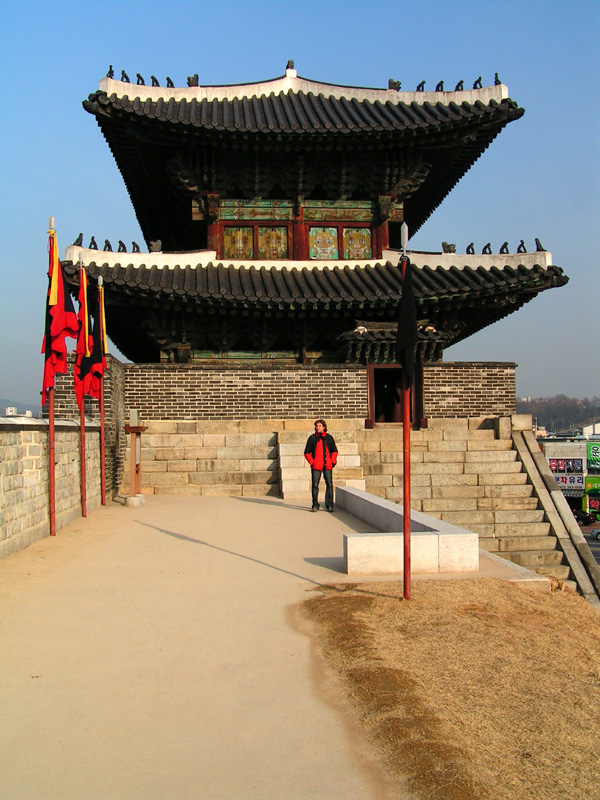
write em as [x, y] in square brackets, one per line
[299, 249]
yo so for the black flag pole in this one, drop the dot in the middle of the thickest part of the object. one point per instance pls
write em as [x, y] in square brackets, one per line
[406, 340]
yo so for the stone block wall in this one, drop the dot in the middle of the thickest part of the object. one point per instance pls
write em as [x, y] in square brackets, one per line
[469, 389]
[24, 501]
[209, 458]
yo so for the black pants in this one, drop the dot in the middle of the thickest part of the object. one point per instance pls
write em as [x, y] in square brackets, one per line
[316, 477]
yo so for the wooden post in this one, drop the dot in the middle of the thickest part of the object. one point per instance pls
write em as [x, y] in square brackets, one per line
[135, 430]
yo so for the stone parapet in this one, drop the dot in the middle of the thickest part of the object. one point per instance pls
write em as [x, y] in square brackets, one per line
[24, 500]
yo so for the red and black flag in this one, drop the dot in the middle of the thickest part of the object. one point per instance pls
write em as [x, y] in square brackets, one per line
[90, 362]
[407, 336]
[61, 320]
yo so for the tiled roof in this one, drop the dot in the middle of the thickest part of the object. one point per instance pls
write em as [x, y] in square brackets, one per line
[304, 113]
[376, 284]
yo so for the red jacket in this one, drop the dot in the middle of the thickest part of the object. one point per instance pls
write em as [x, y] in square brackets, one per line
[320, 451]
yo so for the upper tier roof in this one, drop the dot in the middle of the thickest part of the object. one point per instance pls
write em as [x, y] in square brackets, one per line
[297, 105]
[290, 138]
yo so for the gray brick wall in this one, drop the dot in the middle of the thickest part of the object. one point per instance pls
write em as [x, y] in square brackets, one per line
[470, 389]
[181, 391]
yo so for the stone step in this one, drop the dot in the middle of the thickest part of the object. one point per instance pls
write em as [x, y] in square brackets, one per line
[439, 505]
[233, 477]
[560, 571]
[347, 473]
[494, 456]
[483, 529]
[449, 492]
[519, 516]
[502, 529]
[289, 450]
[493, 467]
[487, 478]
[482, 434]
[356, 483]
[511, 490]
[535, 558]
[517, 543]
[465, 518]
[293, 488]
[515, 504]
[489, 445]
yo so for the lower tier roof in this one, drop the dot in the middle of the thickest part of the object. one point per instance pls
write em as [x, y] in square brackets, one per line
[456, 295]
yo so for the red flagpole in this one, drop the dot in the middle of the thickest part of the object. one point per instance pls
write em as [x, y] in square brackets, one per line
[406, 471]
[51, 462]
[82, 460]
[60, 324]
[101, 398]
[102, 454]
[84, 312]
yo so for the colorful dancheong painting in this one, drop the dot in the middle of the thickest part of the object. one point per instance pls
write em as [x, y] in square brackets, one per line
[357, 243]
[238, 242]
[272, 242]
[255, 209]
[323, 243]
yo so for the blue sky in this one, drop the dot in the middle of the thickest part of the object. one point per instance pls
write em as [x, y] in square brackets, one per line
[541, 177]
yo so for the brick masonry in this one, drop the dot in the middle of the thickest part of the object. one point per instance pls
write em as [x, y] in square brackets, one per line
[201, 392]
[469, 389]
[24, 501]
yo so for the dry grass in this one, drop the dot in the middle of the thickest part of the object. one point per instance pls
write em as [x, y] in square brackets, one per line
[472, 689]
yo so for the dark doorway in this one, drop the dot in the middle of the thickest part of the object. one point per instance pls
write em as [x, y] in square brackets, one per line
[387, 384]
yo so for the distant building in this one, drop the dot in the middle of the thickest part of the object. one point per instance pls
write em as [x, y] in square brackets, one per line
[592, 430]
[575, 465]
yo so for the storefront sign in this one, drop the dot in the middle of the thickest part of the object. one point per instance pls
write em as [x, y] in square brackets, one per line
[593, 455]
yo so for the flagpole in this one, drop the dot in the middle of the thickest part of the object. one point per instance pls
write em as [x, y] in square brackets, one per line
[51, 440]
[82, 417]
[60, 324]
[82, 460]
[405, 446]
[51, 461]
[101, 398]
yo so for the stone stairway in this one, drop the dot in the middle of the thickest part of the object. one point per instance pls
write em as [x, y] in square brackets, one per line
[464, 474]
[294, 471]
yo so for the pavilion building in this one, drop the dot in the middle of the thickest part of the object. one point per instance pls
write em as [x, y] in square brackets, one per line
[272, 212]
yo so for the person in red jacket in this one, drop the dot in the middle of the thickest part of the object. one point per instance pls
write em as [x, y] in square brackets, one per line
[321, 453]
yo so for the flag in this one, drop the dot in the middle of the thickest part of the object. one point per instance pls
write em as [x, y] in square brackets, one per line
[407, 335]
[90, 362]
[61, 321]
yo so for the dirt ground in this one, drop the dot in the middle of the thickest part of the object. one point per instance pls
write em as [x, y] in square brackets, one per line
[472, 689]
